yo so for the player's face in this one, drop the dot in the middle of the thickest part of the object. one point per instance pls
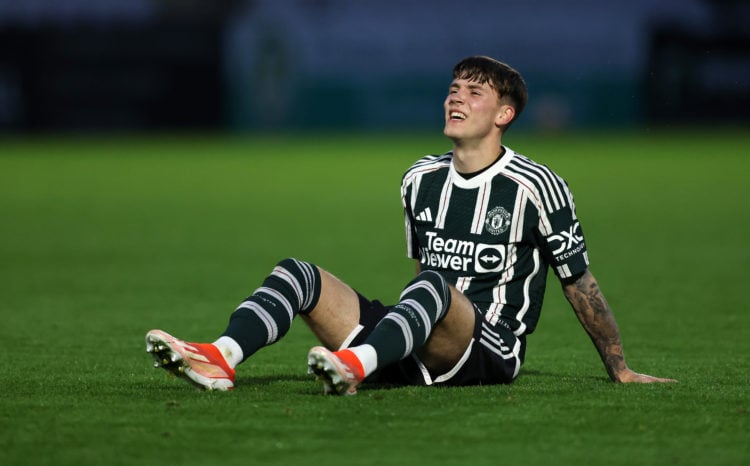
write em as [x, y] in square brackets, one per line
[471, 110]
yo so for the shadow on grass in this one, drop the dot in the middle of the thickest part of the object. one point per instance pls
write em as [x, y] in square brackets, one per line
[556, 376]
[304, 384]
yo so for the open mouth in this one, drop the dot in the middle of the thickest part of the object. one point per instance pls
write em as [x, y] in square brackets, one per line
[457, 116]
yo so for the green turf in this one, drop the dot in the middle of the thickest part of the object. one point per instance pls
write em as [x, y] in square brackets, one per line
[102, 239]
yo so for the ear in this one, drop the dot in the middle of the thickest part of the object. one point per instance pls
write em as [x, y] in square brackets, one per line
[505, 115]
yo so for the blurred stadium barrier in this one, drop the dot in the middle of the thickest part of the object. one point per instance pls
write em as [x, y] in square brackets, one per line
[239, 65]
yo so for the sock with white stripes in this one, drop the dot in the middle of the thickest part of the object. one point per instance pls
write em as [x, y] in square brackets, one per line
[263, 318]
[408, 325]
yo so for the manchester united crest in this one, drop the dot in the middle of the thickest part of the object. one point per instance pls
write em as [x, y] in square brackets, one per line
[498, 221]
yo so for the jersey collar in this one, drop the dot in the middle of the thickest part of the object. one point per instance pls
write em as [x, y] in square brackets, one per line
[485, 176]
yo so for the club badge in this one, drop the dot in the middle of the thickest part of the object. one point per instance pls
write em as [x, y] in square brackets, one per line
[498, 221]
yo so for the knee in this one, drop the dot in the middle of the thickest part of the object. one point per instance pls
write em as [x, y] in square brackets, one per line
[296, 266]
[435, 284]
[430, 276]
[303, 279]
[287, 263]
[434, 279]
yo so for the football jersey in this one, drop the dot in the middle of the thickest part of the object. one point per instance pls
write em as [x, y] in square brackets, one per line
[494, 235]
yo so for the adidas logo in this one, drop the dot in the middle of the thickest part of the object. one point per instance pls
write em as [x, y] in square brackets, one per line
[425, 215]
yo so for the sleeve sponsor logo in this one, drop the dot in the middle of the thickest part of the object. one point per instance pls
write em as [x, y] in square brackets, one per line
[566, 244]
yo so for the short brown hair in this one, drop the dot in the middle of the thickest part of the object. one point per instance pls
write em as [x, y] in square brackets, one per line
[507, 82]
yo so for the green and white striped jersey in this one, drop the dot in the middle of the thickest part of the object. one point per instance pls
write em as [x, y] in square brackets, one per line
[494, 235]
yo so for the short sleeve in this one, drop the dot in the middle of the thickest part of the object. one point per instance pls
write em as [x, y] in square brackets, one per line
[564, 245]
[412, 243]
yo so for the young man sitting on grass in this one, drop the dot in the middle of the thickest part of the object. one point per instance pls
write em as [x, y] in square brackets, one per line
[483, 223]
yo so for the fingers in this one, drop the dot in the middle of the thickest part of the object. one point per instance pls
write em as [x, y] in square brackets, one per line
[660, 380]
[630, 376]
[643, 378]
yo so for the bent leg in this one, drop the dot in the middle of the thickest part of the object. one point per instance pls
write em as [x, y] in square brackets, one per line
[336, 314]
[450, 336]
[432, 319]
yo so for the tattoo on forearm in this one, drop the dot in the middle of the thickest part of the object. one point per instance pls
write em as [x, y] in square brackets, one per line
[595, 315]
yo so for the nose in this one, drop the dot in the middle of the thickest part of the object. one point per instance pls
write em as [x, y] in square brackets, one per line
[456, 97]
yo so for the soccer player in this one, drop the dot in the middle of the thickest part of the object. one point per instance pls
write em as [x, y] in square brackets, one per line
[483, 223]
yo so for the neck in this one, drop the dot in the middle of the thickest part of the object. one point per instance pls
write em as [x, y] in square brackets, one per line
[470, 158]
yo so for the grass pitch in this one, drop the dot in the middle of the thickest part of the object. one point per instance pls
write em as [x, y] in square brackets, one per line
[102, 239]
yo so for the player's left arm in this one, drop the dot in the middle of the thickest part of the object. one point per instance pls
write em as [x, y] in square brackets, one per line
[597, 319]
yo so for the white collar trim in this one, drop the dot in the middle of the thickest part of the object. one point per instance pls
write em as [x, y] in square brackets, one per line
[484, 177]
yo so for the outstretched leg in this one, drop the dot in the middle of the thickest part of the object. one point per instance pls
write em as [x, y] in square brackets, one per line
[293, 288]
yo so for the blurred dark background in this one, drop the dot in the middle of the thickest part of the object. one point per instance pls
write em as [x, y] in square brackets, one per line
[104, 65]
